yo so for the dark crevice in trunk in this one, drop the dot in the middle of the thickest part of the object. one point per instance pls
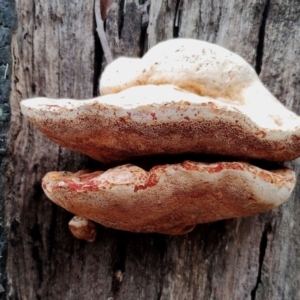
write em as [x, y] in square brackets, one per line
[52, 231]
[36, 236]
[143, 41]
[177, 18]
[262, 253]
[160, 290]
[121, 17]
[59, 68]
[32, 34]
[98, 59]
[261, 38]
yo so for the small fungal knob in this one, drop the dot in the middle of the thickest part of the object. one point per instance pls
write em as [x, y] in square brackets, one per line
[83, 228]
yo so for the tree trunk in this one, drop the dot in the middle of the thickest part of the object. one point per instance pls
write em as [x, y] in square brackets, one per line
[55, 52]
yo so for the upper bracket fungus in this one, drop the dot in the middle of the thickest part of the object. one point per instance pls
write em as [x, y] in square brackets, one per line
[183, 96]
[164, 119]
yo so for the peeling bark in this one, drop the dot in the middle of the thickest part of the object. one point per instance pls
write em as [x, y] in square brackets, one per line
[56, 53]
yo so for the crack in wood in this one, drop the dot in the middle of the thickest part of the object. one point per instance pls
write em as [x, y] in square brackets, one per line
[52, 231]
[98, 60]
[178, 10]
[262, 253]
[261, 38]
[36, 236]
[101, 32]
[121, 17]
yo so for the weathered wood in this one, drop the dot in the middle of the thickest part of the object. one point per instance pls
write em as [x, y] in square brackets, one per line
[54, 55]
[280, 70]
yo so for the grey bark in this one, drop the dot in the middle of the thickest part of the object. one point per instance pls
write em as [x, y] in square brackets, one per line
[56, 53]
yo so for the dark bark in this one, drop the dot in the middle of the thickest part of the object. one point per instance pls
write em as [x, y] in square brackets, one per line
[7, 25]
[55, 53]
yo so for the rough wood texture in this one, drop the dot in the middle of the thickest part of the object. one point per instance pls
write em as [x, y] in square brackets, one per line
[7, 24]
[53, 55]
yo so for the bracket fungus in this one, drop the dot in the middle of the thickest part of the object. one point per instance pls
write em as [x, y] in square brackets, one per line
[169, 199]
[183, 96]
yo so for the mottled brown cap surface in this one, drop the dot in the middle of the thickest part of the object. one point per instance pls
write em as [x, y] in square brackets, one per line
[147, 120]
[169, 199]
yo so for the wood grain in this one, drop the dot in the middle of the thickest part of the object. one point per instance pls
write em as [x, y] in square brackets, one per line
[54, 55]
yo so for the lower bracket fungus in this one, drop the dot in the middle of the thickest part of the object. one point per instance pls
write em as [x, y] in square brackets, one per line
[169, 199]
[184, 96]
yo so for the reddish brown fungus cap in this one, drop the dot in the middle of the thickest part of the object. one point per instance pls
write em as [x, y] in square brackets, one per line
[146, 120]
[169, 199]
